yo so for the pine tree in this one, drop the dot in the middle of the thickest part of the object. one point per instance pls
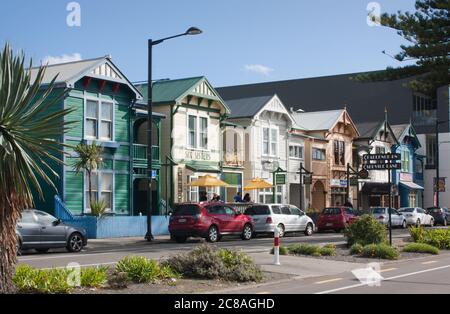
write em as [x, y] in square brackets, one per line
[427, 30]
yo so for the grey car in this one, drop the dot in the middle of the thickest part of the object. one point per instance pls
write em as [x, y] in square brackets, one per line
[382, 215]
[41, 231]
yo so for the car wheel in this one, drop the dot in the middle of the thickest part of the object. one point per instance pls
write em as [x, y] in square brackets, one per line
[404, 224]
[213, 234]
[75, 242]
[309, 230]
[180, 239]
[247, 232]
[42, 251]
[281, 230]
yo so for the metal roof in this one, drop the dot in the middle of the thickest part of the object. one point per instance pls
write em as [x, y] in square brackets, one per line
[169, 91]
[247, 107]
[70, 72]
[318, 120]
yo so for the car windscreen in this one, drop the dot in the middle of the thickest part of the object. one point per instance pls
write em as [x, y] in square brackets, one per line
[378, 210]
[331, 211]
[434, 210]
[257, 211]
[406, 210]
[186, 210]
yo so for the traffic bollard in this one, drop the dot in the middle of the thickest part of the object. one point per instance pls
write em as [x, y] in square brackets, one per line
[276, 247]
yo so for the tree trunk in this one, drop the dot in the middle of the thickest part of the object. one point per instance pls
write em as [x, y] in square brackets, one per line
[10, 211]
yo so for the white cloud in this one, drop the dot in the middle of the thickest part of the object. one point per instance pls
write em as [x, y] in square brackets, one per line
[258, 68]
[61, 59]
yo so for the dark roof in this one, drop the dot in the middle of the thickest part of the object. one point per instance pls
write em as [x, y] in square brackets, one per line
[247, 107]
[365, 102]
[368, 129]
[399, 130]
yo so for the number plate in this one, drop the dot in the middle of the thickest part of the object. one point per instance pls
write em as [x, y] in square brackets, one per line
[329, 224]
[181, 220]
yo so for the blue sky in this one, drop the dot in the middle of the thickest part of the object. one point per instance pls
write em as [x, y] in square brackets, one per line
[244, 41]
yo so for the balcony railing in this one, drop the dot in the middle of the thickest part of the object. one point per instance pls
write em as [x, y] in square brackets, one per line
[140, 155]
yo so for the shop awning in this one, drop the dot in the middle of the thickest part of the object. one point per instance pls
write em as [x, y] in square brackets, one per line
[411, 185]
[203, 167]
[375, 188]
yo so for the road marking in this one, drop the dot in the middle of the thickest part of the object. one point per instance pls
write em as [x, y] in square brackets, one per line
[429, 262]
[387, 270]
[386, 279]
[328, 281]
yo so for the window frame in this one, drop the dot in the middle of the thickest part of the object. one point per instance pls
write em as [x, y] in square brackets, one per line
[323, 153]
[98, 121]
[99, 190]
[270, 142]
[297, 149]
[198, 132]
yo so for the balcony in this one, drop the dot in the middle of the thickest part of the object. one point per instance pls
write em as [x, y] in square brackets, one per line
[140, 155]
[233, 159]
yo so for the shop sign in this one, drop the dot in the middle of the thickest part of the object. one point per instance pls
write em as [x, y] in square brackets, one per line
[197, 155]
[280, 179]
[440, 186]
[338, 183]
[180, 185]
[307, 180]
[406, 177]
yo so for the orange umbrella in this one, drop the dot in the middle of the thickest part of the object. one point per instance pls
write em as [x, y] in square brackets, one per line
[208, 181]
[258, 184]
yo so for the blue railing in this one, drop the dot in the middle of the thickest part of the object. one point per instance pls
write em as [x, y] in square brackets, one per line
[61, 211]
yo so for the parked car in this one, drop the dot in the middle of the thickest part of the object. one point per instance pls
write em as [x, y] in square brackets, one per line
[382, 215]
[41, 231]
[208, 220]
[417, 216]
[287, 218]
[441, 215]
[335, 218]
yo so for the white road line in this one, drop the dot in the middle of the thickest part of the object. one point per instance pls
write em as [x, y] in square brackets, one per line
[387, 270]
[429, 262]
[328, 281]
[386, 279]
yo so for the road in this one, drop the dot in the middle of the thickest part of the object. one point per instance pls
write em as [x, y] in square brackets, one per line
[108, 252]
[428, 275]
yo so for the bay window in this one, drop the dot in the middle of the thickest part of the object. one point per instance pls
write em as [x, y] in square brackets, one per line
[99, 120]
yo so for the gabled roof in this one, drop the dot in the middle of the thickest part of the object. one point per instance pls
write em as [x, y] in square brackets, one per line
[172, 91]
[369, 130]
[247, 107]
[403, 130]
[317, 121]
[71, 72]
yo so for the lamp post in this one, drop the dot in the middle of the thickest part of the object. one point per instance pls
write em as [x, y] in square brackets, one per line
[151, 43]
[438, 176]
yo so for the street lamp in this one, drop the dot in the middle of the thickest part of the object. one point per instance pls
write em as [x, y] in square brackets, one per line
[438, 176]
[151, 43]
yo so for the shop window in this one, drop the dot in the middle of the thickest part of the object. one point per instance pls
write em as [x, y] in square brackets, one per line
[266, 196]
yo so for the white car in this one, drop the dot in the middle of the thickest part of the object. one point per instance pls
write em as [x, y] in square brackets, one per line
[417, 216]
[287, 218]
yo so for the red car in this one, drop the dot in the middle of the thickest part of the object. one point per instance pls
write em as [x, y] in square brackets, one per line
[208, 220]
[335, 218]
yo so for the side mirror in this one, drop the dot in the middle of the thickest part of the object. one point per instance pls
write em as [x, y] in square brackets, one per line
[57, 222]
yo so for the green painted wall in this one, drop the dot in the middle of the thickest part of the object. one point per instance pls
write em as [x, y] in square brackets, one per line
[74, 192]
[122, 194]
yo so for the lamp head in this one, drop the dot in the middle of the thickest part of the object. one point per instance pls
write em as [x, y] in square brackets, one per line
[193, 31]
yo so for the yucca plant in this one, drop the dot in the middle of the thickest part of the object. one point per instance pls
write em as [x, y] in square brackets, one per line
[89, 160]
[28, 148]
[98, 208]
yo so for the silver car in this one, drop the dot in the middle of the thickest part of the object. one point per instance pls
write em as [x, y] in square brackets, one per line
[417, 216]
[287, 218]
[382, 215]
[41, 231]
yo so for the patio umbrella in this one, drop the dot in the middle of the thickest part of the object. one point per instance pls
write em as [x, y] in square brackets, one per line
[258, 184]
[208, 181]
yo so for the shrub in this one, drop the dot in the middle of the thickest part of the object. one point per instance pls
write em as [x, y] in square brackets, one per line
[439, 238]
[142, 270]
[382, 251]
[94, 277]
[207, 261]
[32, 280]
[283, 250]
[304, 249]
[98, 208]
[356, 249]
[421, 248]
[327, 251]
[330, 246]
[366, 230]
